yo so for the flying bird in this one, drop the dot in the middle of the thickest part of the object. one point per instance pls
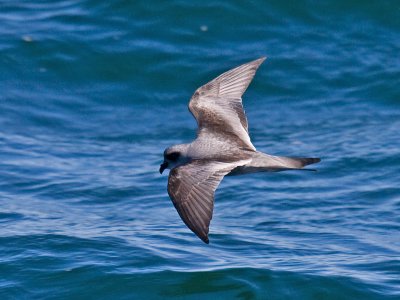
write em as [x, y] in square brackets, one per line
[222, 147]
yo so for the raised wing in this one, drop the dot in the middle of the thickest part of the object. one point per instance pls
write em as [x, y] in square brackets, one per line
[217, 105]
[191, 188]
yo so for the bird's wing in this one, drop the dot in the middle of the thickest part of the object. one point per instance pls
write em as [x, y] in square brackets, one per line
[217, 105]
[191, 188]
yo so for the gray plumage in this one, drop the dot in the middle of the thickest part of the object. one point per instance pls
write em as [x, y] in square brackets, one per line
[222, 147]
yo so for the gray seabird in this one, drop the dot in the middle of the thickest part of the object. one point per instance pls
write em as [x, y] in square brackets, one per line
[222, 147]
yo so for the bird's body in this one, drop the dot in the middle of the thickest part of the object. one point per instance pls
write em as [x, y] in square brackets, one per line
[222, 147]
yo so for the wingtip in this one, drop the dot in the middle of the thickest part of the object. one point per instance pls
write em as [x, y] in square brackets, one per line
[258, 61]
[205, 239]
[262, 58]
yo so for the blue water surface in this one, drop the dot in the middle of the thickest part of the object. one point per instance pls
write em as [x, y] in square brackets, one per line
[91, 92]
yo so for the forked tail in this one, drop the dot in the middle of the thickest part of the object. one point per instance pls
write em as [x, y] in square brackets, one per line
[262, 162]
[297, 163]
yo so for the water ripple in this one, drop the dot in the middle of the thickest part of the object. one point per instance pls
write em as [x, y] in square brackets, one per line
[92, 93]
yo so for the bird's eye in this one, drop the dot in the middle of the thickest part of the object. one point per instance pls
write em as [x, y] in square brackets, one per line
[172, 156]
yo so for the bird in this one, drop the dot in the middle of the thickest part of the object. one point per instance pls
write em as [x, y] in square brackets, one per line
[222, 148]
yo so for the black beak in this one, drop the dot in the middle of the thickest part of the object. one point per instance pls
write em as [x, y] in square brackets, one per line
[163, 166]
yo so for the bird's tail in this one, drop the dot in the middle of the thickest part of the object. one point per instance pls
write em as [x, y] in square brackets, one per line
[262, 162]
[297, 163]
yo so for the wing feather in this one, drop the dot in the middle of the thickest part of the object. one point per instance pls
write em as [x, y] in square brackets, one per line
[217, 106]
[191, 188]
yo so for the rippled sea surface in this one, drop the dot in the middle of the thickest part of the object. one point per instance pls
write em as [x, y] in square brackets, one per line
[91, 92]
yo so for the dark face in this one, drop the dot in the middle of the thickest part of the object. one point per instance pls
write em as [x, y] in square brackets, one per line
[169, 158]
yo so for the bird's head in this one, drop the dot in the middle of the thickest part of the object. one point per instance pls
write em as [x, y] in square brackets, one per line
[174, 156]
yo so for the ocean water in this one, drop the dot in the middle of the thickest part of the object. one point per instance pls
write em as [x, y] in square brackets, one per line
[91, 92]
